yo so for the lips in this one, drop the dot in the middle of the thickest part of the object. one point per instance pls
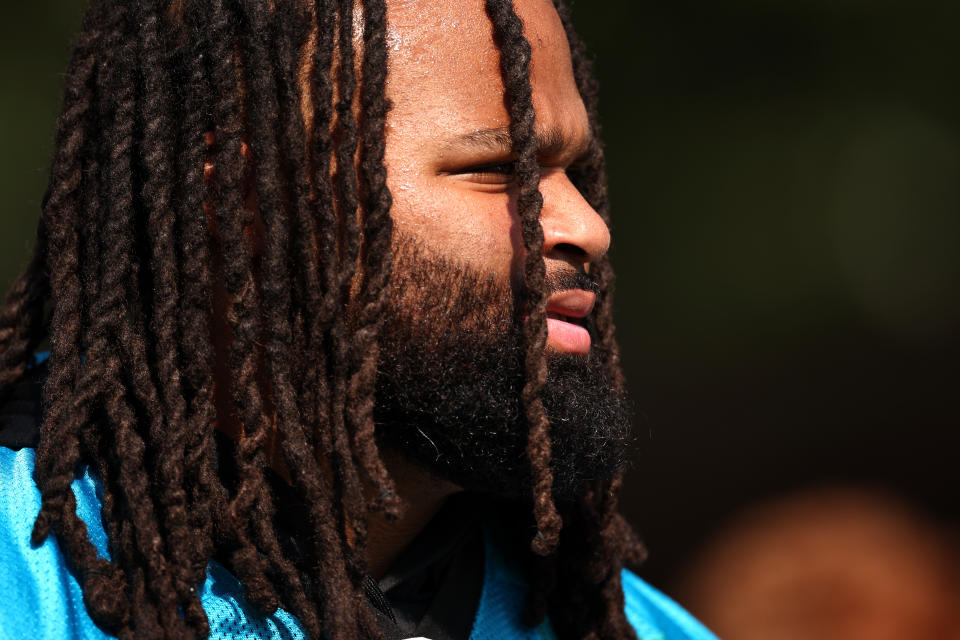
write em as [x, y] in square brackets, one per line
[573, 303]
[565, 313]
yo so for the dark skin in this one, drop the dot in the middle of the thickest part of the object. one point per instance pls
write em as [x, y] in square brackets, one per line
[123, 277]
[447, 158]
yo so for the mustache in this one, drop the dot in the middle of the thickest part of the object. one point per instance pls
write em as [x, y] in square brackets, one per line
[556, 282]
[566, 280]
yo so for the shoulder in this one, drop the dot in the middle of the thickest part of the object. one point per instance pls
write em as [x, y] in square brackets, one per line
[655, 616]
[42, 597]
[19, 497]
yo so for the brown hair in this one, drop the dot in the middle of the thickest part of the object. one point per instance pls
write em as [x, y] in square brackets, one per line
[120, 284]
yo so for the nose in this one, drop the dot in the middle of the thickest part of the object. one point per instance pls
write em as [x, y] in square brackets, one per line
[572, 230]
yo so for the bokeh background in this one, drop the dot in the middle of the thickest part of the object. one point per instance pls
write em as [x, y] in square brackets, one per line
[784, 180]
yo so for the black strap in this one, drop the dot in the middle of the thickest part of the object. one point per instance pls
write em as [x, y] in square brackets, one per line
[434, 587]
[377, 599]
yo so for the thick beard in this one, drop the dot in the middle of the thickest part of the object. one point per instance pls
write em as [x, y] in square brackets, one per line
[450, 379]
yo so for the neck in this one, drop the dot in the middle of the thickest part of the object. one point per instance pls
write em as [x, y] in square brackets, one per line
[423, 495]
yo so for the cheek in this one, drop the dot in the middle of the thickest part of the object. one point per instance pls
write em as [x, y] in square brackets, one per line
[476, 228]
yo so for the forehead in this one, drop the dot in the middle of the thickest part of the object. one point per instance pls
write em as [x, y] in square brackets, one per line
[443, 61]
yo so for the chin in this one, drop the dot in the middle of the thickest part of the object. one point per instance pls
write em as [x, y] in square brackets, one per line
[471, 430]
[450, 376]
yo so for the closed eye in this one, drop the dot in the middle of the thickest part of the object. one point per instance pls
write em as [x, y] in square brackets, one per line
[501, 173]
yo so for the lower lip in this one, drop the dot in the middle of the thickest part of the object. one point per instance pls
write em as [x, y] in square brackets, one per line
[567, 337]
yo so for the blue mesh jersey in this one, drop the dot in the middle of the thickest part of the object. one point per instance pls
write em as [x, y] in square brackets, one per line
[42, 599]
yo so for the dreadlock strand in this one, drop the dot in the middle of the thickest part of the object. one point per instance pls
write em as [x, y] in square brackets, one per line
[591, 179]
[515, 67]
[617, 542]
[157, 193]
[70, 530]
[104, 585]
[347, 481]
[57, 453]
[151, 615]
[328, 569]
[337, 605]
[377, 256]
[116, 320]
[321, 148]
[138, 605]
[227, 205]
[614, 622]
[275, 275]
[205, 494]
[123, 308]
[292, 27]
[22, 317]
[291, 38]
[282, 569]
[92, 230]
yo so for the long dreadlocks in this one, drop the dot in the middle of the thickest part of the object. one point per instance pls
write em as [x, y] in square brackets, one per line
[133, 236]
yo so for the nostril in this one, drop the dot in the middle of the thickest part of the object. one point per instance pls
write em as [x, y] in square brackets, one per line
[570, 251]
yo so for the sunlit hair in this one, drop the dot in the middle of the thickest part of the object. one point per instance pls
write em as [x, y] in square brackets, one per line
[130, 243]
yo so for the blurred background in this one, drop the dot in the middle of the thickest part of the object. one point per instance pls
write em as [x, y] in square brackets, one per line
[784, 179]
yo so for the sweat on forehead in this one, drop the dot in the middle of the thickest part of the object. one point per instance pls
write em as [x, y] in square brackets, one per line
[427, 40]
[443, 57]
[448, 107]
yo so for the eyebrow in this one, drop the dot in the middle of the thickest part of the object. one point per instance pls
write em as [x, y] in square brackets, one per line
[552, 142]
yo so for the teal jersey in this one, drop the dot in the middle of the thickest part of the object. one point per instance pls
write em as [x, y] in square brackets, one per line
[43, 599]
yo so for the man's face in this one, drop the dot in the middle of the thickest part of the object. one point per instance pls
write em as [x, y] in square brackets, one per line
[448, 149]
[452, 364]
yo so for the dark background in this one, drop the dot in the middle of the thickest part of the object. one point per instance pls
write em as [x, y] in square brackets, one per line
[784, 180]
[784, 185]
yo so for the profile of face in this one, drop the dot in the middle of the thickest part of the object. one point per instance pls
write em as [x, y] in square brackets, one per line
[448, 146]
[452, 361]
